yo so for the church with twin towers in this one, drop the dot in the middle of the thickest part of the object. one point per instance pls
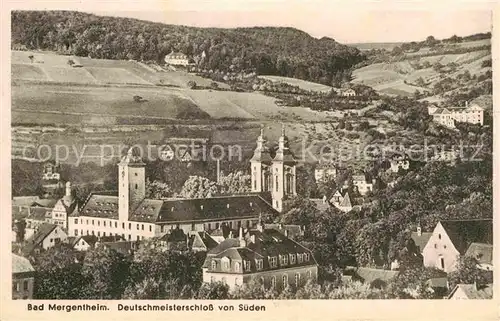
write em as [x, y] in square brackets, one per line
[277, 174]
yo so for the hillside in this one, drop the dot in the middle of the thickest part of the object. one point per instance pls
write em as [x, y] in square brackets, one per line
[280, 51]
[430, 70]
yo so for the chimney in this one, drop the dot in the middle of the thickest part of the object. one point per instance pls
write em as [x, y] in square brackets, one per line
[218, 171]
[260, 226]
[68, 188]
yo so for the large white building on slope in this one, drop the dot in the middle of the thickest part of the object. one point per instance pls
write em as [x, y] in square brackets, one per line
[473, 114]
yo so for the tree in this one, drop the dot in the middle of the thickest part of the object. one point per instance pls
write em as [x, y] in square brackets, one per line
[348, 126]
[199, 187]
[191, 84]
[234, 183]
[468, 272]
[31, 57]
[58, 274]
[157, 190]
[341, 124]
[214, 85]
[107, 272]
[213, 291]
[20, 230]
[364, 125]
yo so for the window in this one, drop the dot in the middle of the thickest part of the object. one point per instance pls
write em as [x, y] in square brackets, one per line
[306, 257]
[76, 221]
[273, 262]
[441, 260]
[142, 227]
[92, 222]
[137, 226]
[309, 274]
[116, 224]
[246, 265]
[130, 237]
[214, 264]
[439, 236]
[51, 240]
[212, 279]
[299, 258]
[129, 226]
[151, 228]
[55, 231]
[136, 186]
[259, 264]
[297, 279]
[276, 183]
[104, 223]
[237, 266]
[435, 246]
[123, 225]
[292, 258]
[98, 233]
[93, 232]
[76, 232]
[225, 263]
[444, 246]
[285, 259]
[138, 238]
[285, 280]
[103, 233]
[273, 282]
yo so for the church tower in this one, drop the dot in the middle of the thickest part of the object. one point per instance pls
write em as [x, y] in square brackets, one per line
[283, 170]
[261, 164]
[131, 184]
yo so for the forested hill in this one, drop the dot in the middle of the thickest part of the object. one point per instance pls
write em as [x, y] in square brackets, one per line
[267, 50]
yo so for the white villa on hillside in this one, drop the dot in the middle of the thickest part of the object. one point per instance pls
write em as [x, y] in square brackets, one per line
[177, 59]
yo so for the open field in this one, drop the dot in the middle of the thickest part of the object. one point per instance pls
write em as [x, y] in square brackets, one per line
[51, 67]
[375, 45]
[302, 84]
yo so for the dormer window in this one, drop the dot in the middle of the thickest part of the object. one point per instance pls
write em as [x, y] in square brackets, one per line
[259, 264]
[201, 207]
[225, 263]
[214, 265]
[306, 257]
[172, 209]
[273, 261]
[292, 258]
[246, 265]
[227, 205]
[300, 258]
[237, 266]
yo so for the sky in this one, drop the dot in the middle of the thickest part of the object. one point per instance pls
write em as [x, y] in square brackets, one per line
[347, 22]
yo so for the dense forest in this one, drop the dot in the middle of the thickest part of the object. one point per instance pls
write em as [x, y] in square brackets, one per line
[266, 50]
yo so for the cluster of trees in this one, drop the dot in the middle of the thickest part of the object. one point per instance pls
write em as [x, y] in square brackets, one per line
[265, 50]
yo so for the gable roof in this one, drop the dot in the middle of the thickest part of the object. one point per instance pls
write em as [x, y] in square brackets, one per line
[346, 201]
[482, 252]
[421, 240]
[38, 237]
[464, 232]
[203, 240]
[474, 292]
[21, 264]
[371, 275]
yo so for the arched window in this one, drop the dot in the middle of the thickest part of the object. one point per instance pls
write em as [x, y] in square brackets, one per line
[273, 282]
[309, 275]
[276, 183]
[297, 279]
[285, 280]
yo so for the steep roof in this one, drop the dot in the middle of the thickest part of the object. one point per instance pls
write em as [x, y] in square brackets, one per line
[178, 210]
[37, 238]
[346, 201]
[482, 252]
[21, 264]
[421, 240]
[474, 292]
[371, 275]
[464, 232]
[203, 240]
